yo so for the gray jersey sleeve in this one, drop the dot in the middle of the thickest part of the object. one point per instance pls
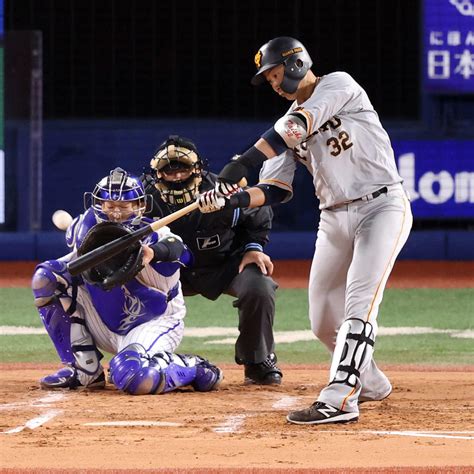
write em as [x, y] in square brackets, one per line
[336, 93]
[279, 172]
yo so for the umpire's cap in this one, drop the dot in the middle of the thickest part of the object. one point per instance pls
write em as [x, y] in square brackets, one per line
[287, 51]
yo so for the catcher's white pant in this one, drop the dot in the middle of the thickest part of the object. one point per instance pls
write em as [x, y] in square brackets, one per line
[356, 249]
[161, 334]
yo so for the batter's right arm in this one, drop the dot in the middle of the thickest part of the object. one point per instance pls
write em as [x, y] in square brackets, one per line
[274, 187]
[288, 132]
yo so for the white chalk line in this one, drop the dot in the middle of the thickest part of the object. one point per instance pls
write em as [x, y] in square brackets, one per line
[43, 402]
[281, 337]
[232, 424]
[35, 422]
[133, 423]
[286, 402]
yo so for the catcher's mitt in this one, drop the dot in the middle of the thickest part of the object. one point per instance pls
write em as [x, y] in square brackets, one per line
[117, 270]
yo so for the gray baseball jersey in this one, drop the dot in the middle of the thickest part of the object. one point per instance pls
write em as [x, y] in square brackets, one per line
[349, 155]
[347, 150]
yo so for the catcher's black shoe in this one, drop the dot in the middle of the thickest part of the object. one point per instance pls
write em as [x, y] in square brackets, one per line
[264, 373]
[66, 378]
[319, 413]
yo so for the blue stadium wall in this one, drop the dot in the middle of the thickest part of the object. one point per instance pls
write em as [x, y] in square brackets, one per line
[76, 154]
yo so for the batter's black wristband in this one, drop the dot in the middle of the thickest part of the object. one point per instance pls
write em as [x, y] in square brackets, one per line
[252, 158]
[239, 168]
[233, 172]
[241, 199]
[273, 194]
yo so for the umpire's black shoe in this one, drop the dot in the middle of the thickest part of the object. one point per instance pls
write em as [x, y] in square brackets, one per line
[319, 413]
[264, 373]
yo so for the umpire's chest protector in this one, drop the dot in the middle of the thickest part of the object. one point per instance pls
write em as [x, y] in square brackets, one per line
[211, 237]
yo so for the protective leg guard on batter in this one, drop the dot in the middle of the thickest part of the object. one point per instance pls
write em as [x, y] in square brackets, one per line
[353, 351]
[352, 354]
[134, 371]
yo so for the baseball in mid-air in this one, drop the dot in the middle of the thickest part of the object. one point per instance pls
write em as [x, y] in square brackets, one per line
[61, 219]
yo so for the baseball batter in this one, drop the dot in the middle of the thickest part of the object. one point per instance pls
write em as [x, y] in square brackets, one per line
[333, 130]
[131, 306]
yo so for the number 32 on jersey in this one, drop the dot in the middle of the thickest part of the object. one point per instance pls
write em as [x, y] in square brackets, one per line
[340, 143]
[337, 144]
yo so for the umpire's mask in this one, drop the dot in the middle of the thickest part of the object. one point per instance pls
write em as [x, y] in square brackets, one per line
[178, 168]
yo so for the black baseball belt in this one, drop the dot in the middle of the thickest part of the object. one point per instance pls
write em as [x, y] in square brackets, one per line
[367, 197]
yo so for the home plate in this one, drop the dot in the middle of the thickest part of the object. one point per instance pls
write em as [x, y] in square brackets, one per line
[132, 423]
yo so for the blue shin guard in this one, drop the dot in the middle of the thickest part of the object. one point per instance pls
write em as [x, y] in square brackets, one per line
[52, 287]
[56, 320]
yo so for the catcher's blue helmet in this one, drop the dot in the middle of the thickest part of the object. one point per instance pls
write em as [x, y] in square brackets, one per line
[118, 186]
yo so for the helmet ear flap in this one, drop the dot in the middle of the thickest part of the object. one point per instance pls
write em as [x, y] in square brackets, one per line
[287, 51]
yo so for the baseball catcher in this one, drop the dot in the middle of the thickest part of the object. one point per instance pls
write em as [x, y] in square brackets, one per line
[130, 305]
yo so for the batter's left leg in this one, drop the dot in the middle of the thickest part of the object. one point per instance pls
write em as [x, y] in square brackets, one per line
[383, 229]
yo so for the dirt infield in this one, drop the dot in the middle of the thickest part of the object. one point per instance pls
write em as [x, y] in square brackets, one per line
[424, 424]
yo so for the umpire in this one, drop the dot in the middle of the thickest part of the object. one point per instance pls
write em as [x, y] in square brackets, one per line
[228, 252]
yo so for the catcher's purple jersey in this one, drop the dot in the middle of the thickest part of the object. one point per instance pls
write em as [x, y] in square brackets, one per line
[142, 299]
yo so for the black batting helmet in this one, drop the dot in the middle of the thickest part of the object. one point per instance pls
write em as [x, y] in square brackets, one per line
[287, 51]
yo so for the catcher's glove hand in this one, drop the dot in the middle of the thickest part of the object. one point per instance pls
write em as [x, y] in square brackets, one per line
[117, 270]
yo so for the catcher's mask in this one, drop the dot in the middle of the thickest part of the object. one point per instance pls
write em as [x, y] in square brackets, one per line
[117, 270]
[119, 197]
[178, 169]
[287, 51]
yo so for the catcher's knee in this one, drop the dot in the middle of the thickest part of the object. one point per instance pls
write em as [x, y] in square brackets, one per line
[130, 371]
[47, 281]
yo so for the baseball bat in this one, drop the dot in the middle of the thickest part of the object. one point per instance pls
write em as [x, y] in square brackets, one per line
[109, 250]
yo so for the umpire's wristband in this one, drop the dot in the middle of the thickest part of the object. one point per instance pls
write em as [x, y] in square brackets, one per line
[253, 247]
[241, 199]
